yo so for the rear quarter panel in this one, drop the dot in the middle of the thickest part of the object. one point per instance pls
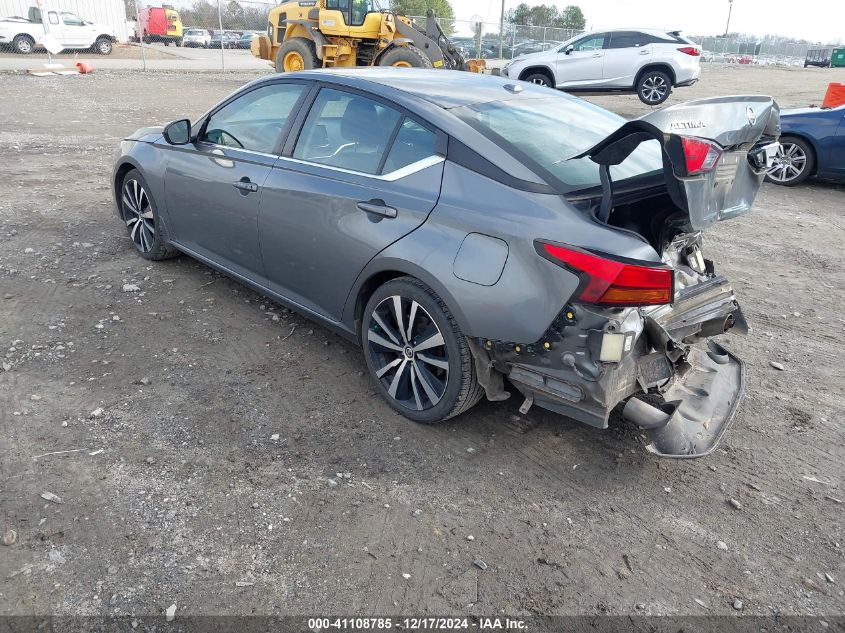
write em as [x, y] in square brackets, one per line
[531, 291]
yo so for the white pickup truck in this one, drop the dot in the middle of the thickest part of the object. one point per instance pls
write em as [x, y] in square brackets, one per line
[68, 29]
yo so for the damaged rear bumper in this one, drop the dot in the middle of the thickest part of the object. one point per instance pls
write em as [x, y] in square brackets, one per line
[664, 354]
[699, 406]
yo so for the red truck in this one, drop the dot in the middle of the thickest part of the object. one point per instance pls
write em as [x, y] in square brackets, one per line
[160, 24]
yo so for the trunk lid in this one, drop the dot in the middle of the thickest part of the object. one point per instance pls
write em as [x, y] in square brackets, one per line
[745, 129]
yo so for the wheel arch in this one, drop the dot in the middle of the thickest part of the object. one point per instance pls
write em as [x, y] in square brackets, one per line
[25, 35]
[120, 171]
[386, 270]
[809, 141]
[661, 66]
[546, 70]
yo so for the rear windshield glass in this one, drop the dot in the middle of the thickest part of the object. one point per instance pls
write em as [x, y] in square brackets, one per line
[543, 133]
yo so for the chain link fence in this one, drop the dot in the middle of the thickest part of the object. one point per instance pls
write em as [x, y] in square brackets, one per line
[491, 40]
[217, 34]
[743, 51]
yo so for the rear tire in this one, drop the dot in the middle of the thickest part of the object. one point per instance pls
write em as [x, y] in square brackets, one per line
[405, 57]
[794, 163]
[23, 44]
[420, 362]
[296, 54]
[654, 87]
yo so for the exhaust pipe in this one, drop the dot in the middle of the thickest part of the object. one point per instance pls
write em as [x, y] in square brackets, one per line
[715, 327]
[646, 416]
[665, 425]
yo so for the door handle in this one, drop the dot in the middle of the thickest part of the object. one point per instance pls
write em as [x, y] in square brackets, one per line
[245, 185]
[597, 55]
[644, 52]
[377, 207]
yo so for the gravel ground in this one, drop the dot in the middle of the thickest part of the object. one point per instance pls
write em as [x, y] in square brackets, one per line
[231, 457]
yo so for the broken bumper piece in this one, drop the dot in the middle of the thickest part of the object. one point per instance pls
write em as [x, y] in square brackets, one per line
[697, 408]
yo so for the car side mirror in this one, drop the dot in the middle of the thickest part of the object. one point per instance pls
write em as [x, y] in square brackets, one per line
[569, 49]
[178, 132]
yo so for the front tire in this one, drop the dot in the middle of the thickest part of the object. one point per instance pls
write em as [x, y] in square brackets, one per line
[296, 54]
[416, 354]
[540, 79]
[405, 57]
[139, 212]
[23, 44]
[794, 162]
[103, 46]
[654, 87]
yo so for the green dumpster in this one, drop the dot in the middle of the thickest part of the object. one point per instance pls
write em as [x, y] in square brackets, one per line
[837, 58]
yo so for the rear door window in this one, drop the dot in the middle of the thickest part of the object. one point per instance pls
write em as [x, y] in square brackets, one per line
[348, 131]
[626, 39]
[254, 121]
[413, 143]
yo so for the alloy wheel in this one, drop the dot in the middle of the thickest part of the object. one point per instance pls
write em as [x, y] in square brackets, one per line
[293, 62]
[654, 89]
[138, 215]
[408, 353]
[25, 46]
[789, 163]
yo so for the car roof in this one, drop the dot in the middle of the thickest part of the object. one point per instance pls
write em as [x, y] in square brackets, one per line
[634, 28]
[445, 88]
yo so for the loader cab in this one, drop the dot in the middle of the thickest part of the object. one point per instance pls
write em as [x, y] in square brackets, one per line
[350, 17]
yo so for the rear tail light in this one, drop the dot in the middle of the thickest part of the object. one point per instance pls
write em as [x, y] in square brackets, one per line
[701, 155]
[610, 282]
[690, 50]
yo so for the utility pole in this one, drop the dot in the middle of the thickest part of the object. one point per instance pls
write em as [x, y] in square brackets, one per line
[502, 32]
[728, 25]
[223, 37]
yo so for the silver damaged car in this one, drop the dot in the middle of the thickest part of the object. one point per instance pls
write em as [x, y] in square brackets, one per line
[476, 235]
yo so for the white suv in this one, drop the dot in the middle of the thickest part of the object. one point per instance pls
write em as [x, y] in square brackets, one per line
[196, 37]
[646, 61]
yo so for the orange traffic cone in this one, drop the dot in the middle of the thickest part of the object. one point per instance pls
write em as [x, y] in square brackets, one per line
[835, 95]
[84, 68]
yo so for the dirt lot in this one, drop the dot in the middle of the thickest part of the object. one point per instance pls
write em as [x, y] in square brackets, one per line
[232, 458]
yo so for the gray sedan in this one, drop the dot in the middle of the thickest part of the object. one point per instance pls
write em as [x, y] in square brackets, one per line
[475, 235]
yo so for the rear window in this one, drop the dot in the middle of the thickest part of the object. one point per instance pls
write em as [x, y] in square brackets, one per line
[671, 37]
[545, 132]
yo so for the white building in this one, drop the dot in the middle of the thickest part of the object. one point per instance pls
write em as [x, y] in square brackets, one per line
[110, 12]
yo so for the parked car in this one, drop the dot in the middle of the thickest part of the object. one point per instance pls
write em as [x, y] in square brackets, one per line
[69, 30]
[648, 62]
[812, 143]
[458, 227]
[230, 40]
[196, 38]
[245, 40]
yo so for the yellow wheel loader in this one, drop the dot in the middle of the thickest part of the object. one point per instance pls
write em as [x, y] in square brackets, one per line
[302, 35]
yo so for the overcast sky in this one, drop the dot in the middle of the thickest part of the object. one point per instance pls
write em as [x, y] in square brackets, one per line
[815, 20]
